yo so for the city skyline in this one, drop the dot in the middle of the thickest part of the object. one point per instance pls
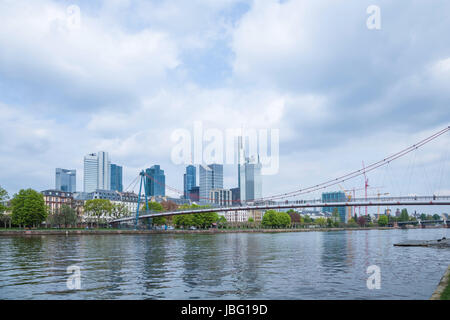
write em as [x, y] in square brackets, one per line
[223, 152]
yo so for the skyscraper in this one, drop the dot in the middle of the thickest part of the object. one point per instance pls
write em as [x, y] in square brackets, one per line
[249, 175]
[211, 177]
[338, 196]
[241, 169]
[156, 184]
[253, 181]
[189, 180]
[97, 172]
[65, 180]
[116, 178]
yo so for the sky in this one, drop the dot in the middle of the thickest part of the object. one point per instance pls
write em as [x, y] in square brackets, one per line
[122, 76]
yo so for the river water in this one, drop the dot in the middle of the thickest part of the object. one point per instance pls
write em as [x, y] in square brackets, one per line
[303, 265]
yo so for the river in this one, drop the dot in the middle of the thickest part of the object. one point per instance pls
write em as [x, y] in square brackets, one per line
[300, 265]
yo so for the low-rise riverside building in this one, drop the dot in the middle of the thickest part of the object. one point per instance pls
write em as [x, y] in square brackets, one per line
[235, 215]
[129, 199]
[55, 199]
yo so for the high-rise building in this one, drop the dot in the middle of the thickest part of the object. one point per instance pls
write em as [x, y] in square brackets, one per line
[65, 180]
[241, 170]
[116, 178]
[104, 171]
[90, 177]
[253, 181]
[156, 184]
[221, 197]
[235, 195]
[338, 196]
[97, 172]
[189, 180]
[194, 194]
[249, 176]
[211, 177]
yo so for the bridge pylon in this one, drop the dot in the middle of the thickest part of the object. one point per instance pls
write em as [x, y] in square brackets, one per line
[142, 182]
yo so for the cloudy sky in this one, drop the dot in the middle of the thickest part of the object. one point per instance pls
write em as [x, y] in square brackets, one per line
[127, 74]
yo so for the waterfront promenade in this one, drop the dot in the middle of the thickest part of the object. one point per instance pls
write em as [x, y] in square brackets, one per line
[16, 232]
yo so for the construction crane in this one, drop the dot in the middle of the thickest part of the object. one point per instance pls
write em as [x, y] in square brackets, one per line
[349, 196]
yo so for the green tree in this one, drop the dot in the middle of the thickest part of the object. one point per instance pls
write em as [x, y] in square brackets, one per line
[69, 215]
[307, 219]
[5, 219]
[200, 220]
[321, 222]
[251, 219]
[98, 208]
[119, 210]
[3, 198]
[222, 222]
[156, 207]
[205, 220]
[28, 208]
[404, 215]
[269, 218]
[275, 219]
[352, 222]
[423, 216]
[335, 215]
[383, 220]
[159, 221]
[329, 222]
[283, 219]
[63, 217]
[436, 217]
[184, 220]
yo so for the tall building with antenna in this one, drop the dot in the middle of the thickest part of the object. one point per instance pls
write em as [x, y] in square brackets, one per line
[241, 169]
[249, 175]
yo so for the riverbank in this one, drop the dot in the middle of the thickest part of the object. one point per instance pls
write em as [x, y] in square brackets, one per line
[442, 291]
[176, 231]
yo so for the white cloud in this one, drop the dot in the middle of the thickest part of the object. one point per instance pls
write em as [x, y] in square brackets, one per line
[338, 92]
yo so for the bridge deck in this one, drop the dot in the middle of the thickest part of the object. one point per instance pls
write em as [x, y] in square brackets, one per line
[404, 201]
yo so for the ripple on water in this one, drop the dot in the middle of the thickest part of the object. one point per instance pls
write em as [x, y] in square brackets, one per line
[309, 265]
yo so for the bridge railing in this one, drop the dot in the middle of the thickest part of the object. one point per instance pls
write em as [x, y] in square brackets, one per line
[320, 202]
[264, 205]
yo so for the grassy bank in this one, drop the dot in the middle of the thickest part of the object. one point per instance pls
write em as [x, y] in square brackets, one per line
[442, 291]
[446, 294]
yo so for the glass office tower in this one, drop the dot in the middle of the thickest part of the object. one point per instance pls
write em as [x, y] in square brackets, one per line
[189, 181]
[156, 184]
[116, 178]
[66, 180]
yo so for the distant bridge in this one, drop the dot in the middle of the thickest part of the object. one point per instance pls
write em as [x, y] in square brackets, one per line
[369, 202]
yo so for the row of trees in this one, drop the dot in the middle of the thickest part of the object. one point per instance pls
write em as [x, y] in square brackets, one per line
[198, 220]
[28, 209]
